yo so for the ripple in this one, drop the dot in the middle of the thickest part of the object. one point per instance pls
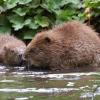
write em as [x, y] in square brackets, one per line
[45, 75]
[24, 98]
[91, 94]
[7, 81]
[87, 95]
[41, 90]
[70, 84]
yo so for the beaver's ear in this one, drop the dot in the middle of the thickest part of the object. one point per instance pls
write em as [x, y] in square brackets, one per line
[47, 40]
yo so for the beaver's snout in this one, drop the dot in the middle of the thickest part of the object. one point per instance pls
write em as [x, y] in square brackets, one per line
[22, 59]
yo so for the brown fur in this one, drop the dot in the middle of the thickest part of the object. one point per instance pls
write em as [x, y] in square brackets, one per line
[11, 50]
[70, 45]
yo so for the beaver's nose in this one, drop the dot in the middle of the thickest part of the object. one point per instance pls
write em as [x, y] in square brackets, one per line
[22, 59]
[20, 56]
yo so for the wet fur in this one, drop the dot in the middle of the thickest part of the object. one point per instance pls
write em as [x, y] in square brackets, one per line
[67, 46]
[11, 50]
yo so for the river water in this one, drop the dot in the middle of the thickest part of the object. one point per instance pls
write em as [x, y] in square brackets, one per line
[19, 84]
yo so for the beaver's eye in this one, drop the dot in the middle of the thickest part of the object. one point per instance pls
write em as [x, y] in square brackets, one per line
[47, 40]
[8, 49]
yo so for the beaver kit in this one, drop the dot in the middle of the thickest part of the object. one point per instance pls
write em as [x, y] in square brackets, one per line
[11, 50]
[72, 45]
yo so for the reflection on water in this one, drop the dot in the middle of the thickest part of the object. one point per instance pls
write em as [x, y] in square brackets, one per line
[18, 84]
[40, 90]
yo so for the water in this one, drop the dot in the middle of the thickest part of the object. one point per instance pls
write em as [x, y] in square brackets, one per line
[18, 84]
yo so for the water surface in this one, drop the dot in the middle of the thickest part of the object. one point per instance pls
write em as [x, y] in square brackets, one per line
[18, 84]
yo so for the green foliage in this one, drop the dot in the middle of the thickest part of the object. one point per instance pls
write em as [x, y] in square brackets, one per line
[27, 17]
[93, 12]
[94, 5]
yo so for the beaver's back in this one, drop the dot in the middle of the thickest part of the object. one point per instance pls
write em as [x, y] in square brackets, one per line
[81, 42]
[5, 39]
[78, 34]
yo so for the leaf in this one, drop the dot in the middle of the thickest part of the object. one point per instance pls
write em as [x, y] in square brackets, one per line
[24, 1]
[65, 14]
[1, 2]
[2, 9]
[34, 3]
[81, 16]
[27, 21]
[17, 21]
[95, 4]
[28, 34]
[42, 21]
[3, 20]
[71, 1]
[39, 10]
[21, 11]
[11, 3]
[31, 24]
[51, 5]
[5, 30]
[92, 3]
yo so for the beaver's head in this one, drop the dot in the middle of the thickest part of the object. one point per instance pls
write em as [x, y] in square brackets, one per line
[44, 49]
[14, 54]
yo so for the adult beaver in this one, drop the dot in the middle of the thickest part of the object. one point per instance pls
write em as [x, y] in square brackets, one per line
[11, 50]
[72, 45]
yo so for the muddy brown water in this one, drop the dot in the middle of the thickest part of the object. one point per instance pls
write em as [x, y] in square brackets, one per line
[19, 84]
